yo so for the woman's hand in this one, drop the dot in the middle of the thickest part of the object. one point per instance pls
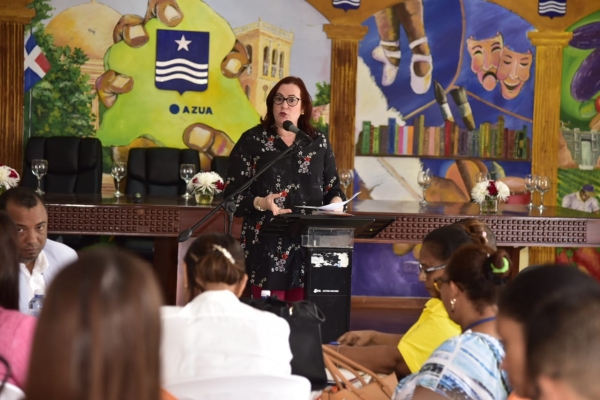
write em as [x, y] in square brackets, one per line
[337, 199]
[356, 338]
[268, 203]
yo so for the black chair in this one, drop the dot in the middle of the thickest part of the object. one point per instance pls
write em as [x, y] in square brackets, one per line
[155, 171]
[74, 164]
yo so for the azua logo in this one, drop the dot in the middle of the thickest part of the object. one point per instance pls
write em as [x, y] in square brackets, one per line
[175, 109]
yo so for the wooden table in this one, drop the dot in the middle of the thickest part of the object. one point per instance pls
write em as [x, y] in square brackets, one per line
[514, 225]
[156, 217]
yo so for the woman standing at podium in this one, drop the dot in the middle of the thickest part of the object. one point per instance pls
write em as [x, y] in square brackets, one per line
[307, 176]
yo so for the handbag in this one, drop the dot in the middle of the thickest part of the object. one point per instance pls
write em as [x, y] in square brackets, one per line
[305, 319]
[376, 389]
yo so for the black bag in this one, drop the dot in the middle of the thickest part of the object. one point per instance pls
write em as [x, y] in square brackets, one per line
[305, 321]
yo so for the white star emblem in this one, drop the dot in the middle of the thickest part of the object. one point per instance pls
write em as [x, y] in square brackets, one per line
[183, 44]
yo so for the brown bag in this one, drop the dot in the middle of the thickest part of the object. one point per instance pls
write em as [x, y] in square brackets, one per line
[377, 389]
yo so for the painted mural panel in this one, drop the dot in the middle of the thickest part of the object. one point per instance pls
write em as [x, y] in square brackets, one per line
[579, 152]
[444, 85]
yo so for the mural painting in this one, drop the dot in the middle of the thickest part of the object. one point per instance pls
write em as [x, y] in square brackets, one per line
[446, 88]
[579, 152]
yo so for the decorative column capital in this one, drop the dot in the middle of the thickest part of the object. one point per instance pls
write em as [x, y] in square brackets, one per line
[345, 32]
[550, 38]
[16, 11]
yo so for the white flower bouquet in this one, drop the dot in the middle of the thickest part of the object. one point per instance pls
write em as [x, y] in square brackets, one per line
[490, 190]
[206, 183]
[9, 178]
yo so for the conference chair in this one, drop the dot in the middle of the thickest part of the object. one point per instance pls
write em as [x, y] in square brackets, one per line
[247, 387]
[74, 164]
[155, 171]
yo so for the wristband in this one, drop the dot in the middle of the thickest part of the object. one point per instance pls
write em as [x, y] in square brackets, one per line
[256, 205]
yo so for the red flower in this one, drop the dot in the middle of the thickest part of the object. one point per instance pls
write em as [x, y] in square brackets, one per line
[307, 159]
[271, 139]
[284, 194]
[219, 185]
[13, 174]
[492, 189]
[195, 180]
[284, 256]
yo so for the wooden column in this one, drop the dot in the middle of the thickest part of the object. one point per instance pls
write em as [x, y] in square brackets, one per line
[344, 61]
[14, 15]
[546, 119]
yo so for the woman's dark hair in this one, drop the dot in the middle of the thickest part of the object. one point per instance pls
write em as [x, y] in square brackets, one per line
[479, 228]
[9, 266]
[306, 103]
[98, 335]
[442, 242]
[534, 284]
[480, 272]
[562, 339]
[214, 258]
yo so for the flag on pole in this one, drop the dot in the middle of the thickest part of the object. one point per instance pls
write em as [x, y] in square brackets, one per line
[36, 63]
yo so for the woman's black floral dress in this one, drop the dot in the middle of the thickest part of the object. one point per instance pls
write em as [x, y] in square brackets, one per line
[307, 177]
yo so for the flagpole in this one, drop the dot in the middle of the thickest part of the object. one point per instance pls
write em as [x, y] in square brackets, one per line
[30, 98]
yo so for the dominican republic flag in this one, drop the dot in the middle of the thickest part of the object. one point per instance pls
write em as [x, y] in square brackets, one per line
[36, 63]
[552, 8]
[346, 4]
[182, 60]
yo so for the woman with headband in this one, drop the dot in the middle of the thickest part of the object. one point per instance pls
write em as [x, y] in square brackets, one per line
[467, 366]
[214, 334]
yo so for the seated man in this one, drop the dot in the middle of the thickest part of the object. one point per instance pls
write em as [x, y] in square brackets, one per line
[41, 258]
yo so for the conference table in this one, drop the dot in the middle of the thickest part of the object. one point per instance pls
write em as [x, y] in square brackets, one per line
[163, 218]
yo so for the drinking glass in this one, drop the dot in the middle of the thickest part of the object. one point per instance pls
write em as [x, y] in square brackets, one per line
[187, 171]
[483, 176]
[39, 169]
[346, 178]
[542, 185]
[424, 180]
[530, 186]
[118, 171]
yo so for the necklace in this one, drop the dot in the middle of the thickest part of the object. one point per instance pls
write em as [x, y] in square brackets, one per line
[479, 322]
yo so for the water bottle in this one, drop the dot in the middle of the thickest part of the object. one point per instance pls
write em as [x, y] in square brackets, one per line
[265, 293]
[36, 304]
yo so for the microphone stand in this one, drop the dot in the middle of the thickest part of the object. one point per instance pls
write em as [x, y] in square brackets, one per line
[228, 203]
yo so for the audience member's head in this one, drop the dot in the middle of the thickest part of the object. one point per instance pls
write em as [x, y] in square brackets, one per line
[438, 246]
[517, 303]
[9, 264]
[472, 281]
[28, 212]
[98, 335]
[563, 346]
[479, 228]
[214, 261]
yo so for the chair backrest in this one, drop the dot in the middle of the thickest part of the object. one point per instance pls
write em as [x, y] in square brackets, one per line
[249, 387]
[155, 171]
[74, 164]
[11, 392]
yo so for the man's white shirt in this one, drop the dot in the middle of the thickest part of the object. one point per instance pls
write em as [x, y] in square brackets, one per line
[54, 257]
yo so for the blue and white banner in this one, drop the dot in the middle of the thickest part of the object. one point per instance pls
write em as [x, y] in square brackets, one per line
[182, 60]
[346, 4]
[552, 8]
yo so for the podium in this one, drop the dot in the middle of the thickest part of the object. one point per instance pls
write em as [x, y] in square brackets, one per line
[329, 244]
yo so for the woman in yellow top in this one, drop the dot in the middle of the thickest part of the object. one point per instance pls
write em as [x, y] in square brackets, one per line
[385, 353]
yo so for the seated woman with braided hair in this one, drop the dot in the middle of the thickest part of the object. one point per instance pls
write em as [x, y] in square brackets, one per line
[385, 353]
[468, 366]
[214, 334]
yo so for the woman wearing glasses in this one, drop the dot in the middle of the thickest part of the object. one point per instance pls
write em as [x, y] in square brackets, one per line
[405, 354]
[466, 366]
[306, 177]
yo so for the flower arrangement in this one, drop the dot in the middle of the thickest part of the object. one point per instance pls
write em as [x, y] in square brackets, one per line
[490, 190]
[9, 178]
[206, 183]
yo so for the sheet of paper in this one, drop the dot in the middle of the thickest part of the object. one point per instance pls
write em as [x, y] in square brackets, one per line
[332, 206]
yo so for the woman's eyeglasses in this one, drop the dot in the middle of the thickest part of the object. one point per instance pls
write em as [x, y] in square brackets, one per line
[437, 284]
[292, 100]
[431, 269]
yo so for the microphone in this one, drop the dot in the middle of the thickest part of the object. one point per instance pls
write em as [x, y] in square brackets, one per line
[301, 136]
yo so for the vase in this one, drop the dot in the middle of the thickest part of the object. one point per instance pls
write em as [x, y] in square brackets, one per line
[489, 206]
[204, 198]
